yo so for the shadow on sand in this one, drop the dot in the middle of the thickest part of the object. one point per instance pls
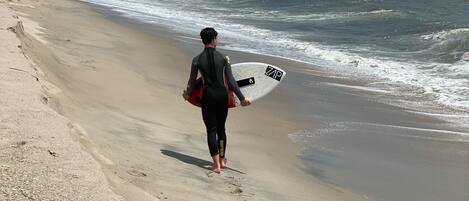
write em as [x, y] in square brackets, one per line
[193, 160]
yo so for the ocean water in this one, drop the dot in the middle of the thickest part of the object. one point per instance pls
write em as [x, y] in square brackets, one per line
[413, 42]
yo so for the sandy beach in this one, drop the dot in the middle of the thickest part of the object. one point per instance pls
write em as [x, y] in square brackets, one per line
[96, 101]
[39, 158]
[121, 86]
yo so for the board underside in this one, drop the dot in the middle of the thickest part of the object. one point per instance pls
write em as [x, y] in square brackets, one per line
[255, 80]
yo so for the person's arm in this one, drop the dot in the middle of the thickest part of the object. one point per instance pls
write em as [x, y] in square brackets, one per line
[231, 81]
[192, 80]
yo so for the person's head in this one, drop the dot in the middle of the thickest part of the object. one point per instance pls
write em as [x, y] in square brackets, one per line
[209, 36]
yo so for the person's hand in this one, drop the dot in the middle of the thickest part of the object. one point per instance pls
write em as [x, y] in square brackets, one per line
[185, 95]
[246, 102]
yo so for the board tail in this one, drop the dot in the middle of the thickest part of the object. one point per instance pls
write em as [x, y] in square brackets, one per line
[195, 97]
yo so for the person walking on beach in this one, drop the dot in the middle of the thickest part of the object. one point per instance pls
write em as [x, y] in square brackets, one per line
[215, 69]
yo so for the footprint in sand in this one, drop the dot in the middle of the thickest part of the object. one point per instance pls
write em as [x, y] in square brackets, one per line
[237, 191]
[136, 173]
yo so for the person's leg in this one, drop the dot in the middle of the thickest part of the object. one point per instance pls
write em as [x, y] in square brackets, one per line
[210, 121]
[222, 113]
[221, 134]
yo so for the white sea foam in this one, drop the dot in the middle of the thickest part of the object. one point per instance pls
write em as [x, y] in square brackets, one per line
[309, 137]
[250, 13]
[345, 15]
[362, 88]
[447, 34]
[425, 129]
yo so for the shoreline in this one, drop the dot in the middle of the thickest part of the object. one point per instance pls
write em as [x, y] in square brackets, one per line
[399, 97]
[409, 89]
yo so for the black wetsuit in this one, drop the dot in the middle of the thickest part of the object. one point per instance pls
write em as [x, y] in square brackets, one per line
[214, 67]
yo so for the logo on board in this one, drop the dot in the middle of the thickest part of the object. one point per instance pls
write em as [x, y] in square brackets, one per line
[246, 82]
[273, 73]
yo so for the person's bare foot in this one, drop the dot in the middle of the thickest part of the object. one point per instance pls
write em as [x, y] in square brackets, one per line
[216, 170]
[216, 164]
[223, 162]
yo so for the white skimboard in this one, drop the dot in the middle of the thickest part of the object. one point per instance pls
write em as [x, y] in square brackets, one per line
[255, 80]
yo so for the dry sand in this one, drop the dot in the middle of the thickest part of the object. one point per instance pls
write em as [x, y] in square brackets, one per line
[121, 87]
[39, 159]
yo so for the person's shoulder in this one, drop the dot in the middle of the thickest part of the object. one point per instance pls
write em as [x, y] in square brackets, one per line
[219, 53]
[196, 58]
[224, 56]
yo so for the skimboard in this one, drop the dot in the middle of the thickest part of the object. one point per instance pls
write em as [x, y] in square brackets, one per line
[255, 80]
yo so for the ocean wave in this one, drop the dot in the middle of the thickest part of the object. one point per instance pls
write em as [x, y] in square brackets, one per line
[447, 34]
[449, 45]
[250, 13]
[348, 15]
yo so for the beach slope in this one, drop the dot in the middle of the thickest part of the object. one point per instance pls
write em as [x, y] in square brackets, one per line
[39, 159]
